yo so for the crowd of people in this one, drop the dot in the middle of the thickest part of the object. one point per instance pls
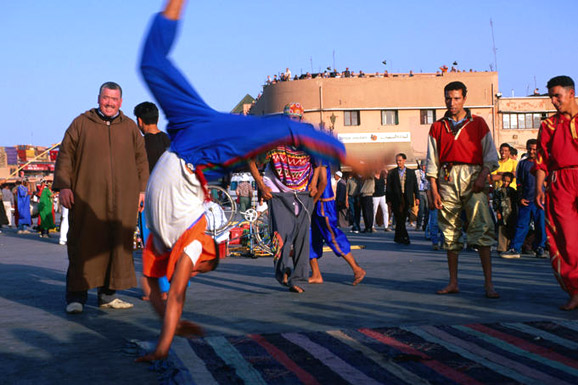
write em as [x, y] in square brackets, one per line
[29, 206]
[106, 173]
[347, 73]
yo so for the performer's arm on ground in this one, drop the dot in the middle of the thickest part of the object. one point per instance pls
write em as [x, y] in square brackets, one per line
[174, 309]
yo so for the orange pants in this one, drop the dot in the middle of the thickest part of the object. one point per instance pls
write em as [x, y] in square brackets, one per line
[158, 265]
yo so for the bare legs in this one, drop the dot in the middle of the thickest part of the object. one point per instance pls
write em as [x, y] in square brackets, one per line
[486, 260]
[358, 272]
[452, 287]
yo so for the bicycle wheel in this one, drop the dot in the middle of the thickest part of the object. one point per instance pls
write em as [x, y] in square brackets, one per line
[220, 212]
[261, 233]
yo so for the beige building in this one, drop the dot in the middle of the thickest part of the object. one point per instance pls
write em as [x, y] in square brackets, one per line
[519, 119]
[393, 114]
[388, 114]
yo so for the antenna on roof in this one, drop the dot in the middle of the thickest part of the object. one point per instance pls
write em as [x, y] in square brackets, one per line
[334, 60]
[494, 46]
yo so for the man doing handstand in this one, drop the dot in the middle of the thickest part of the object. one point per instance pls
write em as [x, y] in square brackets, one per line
[204, 144]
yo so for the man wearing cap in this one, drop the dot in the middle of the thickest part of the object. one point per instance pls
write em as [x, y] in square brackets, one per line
[289, 183]
[341, 200]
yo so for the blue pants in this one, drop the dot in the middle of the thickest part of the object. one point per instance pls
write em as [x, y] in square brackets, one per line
[525, 213]
[433, 229]
[355, 212]
[324, 228]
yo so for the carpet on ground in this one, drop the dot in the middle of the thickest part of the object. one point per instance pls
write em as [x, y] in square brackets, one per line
[542, 352]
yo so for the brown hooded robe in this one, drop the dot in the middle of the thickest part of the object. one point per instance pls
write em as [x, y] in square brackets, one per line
[105, 165]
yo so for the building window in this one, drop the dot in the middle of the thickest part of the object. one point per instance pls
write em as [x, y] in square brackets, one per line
[514, 121]
[427, 116]
[351, 118]
[389, 118]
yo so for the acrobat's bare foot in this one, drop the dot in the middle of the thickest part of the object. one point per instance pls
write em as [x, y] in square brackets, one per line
[188, 329]
[358, 276]
[491, 293]
[316, 279]
[449, 289]
[572, 304]
[296, 289]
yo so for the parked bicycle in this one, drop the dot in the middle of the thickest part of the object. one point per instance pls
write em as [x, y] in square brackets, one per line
[247, 232]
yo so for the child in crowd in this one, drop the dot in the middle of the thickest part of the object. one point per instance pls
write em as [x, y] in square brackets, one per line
[506, 209]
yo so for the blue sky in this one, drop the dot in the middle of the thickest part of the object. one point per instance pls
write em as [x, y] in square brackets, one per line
[55, 54]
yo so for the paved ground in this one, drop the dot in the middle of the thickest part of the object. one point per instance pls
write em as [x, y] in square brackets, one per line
[41, 344]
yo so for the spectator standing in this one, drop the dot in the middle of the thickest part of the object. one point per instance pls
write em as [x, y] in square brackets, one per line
[379, 199]
[353, 191]
[461, 155]
[8, 203]
[505, 206]
[245, 193]
[46, 212]
[101, 173]
[557, 160]
[423, 186]
[507, 164]
[23, 196]
[403, 193]
[156, 143]
[527, 209]
[341, 200]
[367, 191]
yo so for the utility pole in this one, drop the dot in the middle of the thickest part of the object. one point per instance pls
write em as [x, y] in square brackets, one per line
[494, 46]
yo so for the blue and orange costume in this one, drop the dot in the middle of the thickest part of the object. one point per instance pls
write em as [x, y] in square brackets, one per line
[212, 143]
